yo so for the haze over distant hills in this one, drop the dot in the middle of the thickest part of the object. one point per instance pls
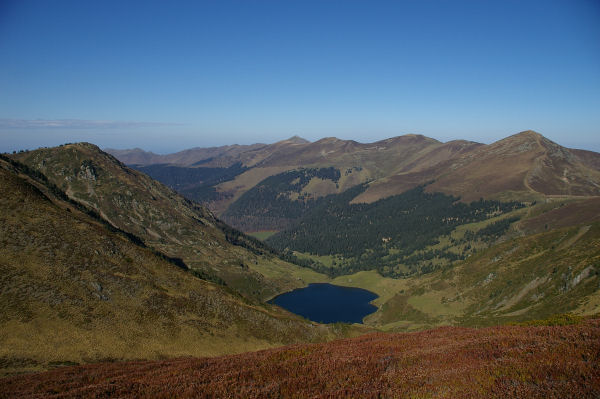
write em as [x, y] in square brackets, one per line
[525, 164]
[236, 182]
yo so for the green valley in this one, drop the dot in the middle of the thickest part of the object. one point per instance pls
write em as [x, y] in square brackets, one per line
[412, 220]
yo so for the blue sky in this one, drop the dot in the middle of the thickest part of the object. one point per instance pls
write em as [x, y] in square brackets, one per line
[165, 76]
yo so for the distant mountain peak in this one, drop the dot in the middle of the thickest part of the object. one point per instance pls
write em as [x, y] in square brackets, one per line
[528, 134]
[136, 149]
[523, 141]
[84, 144]
[328, 140]
[294, 140]
[297, 140]
[408, 137]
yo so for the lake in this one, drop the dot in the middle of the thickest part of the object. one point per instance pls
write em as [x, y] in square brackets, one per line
[328, 303]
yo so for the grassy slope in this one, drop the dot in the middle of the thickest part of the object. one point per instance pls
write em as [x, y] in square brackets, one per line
[520, 279]
[71, 290]
[499, 362]
[364, 162]
[165, 220]
[524, 166]
[447, 297]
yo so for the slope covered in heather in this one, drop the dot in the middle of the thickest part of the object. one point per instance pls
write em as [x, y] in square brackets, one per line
[499, 362]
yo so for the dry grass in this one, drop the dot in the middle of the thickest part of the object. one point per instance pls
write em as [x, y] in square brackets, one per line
[162, 218]
[71, 290]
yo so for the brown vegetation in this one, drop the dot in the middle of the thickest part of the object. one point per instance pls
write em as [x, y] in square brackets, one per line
[74, 290]
[526, 165]
[450, 362]
[562, 214]
[163, 219]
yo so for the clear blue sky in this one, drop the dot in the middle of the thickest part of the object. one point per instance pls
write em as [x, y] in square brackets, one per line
[169, 75]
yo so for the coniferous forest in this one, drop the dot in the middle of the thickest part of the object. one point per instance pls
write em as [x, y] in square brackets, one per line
[278, 201]
[392, 231]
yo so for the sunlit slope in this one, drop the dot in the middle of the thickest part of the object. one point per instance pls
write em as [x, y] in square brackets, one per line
[165, 220]
[523, 166]
[499, 362]
[74, 290]
[358, 162]
[520, 279]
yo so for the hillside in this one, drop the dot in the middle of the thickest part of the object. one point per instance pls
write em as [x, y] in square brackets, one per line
[74, 289]
[193, 156]
[394, 235]
[523, 167]
[281, 200]
[499, 362]
[367, 161]
[523, 278]
[364, 215]
[468, 262]
[197, 184]
[125, 268]
[166, 221]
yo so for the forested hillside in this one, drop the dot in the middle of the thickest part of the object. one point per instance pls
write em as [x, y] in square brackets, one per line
[390, 235]
[280, 200]
[525, 166]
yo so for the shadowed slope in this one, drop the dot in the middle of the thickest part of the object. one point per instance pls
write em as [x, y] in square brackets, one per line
[224, 155]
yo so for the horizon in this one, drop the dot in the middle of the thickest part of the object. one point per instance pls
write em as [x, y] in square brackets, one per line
[205, 74]
[109, 148]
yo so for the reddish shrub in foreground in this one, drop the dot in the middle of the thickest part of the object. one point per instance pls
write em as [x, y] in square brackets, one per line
[510, 361]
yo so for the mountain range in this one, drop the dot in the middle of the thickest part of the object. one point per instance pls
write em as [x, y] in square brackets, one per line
[116, 257]
[314, 199]
[524, 166]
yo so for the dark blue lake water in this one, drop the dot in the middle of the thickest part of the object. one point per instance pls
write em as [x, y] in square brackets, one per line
[327, 303]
